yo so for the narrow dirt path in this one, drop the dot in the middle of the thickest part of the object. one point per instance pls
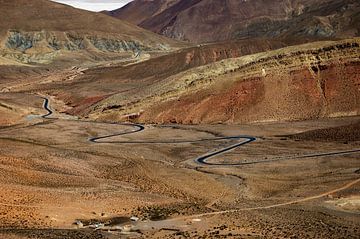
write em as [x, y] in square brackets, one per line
[306, 199]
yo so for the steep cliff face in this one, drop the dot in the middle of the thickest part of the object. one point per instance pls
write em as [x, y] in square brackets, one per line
[40, 31]
[218, 20]
[302, 82]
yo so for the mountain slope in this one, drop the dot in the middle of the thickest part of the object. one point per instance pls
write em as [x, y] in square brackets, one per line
[314, 80]
[218, 20]
[41, 30]
[319, 79]
[139, 10]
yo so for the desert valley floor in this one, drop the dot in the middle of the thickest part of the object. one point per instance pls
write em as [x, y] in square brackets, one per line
[180, 119]
[62, 177]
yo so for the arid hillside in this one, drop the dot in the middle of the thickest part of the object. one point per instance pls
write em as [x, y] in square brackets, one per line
[81, 88]
[40, 31]
[233, 82]
[218, 20]
[249, 130]
[140, 10]
[306, 81]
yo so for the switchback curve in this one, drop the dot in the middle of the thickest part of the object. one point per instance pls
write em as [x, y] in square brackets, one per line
[138, 128]
[204, 158]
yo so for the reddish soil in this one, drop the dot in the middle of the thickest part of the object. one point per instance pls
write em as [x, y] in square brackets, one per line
[280, 95]
[84, 104]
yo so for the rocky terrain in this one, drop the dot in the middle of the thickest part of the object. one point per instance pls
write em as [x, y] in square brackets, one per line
[57, 184]
[121, 77]
[218, 20]
[246, 82]
[108, 130]
[67, 34]
[293, 83]
[141, 10]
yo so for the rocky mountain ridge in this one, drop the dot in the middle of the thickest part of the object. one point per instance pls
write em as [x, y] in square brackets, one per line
[201, 21]
[138, 11]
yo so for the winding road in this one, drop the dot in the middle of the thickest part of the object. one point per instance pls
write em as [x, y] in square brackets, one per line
[46, 107]
[138, 128]
[204, 158]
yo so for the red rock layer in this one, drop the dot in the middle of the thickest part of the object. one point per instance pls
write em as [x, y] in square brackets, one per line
[326, 90]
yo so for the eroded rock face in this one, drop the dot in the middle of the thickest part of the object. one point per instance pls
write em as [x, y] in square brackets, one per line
[34, 47]
[19, 41]
[323, 82]
[22, 41]
[277, 97]
[115, 45]
[42, 31]
[308, 81]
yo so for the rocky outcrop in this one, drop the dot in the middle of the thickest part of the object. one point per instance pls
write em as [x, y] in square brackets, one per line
[19, 41]
[41, 31]
[33, 47]
[22, 41]
[114, 45]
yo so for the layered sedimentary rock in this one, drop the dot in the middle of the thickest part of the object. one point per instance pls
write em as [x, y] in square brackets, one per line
[42, 47]
[303, 82]
[138, 77]
[46, 30]
[21, 41]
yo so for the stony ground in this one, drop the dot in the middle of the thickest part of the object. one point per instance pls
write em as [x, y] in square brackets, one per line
[52, 176]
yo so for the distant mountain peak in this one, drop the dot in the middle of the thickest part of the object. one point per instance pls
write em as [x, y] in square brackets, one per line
[201, 21]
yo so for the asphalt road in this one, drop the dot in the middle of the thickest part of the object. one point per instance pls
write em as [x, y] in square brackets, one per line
[242, 140]
[46, 107]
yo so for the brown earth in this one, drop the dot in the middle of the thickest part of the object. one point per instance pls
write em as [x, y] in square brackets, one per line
[309, 81]
[219, 20]
[295, 97]
[293, 83]
[42, 31]
[56, 183]
[15, 107]
[342, 133]
[138, 11]
[121, 77]
[52, 176]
